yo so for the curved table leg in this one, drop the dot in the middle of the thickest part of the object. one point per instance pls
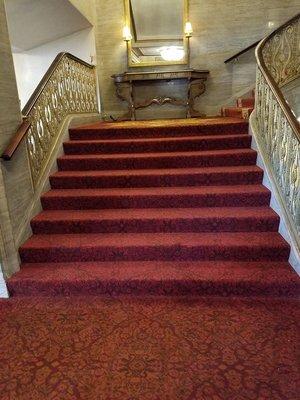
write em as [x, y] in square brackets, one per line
[196, 88]
[124, 92]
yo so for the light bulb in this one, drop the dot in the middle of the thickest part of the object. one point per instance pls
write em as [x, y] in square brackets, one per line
[188, 30]
[127, 33]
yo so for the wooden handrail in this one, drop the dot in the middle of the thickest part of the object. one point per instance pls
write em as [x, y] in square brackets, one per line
[16, 140]
[271, 81]
[25, 125]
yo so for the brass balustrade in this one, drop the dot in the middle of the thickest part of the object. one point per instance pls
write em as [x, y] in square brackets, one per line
[68, 87]
[278, 58]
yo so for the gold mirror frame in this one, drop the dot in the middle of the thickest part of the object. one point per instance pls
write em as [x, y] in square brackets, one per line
[185, 61]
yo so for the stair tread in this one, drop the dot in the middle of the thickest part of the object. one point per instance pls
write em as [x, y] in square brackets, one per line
[158, 191]
[155, 171]
[115, 240]
[158, 213]
[233, 271]
[157, 140]
[238, 108]
[157, 154]
[145, 125]
[99, 231]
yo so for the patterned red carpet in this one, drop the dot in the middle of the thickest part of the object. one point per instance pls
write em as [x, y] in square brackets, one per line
[171, 209]
[149, 349]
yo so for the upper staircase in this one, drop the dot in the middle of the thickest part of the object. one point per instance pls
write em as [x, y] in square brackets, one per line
[243, 108]
[162, 207]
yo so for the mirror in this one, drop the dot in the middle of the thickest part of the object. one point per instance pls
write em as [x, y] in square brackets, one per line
[156, 29]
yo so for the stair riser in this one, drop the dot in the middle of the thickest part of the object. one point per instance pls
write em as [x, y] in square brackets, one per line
[181, 201]
[152, 287]
[88, 182]
[154, 253]
[239, 142]
[237, 113]
[152, 132]
[156, 225]
[190, 161]
[247, 103]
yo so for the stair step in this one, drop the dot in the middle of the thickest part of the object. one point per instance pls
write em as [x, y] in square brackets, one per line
[159, 278]
[239, 112]
[166, 197]
[155, 246]
[144, 129]
[157, 177]
[246, 102]
[157, 145]
[215, 158]
[229, 219]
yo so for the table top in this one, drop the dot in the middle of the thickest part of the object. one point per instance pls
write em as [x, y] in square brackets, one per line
[160, 75]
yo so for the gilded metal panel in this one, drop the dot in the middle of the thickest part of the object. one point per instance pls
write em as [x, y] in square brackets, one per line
[70, 90]
[276, 135]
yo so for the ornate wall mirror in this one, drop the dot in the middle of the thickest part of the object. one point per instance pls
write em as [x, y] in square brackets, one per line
[154, 32]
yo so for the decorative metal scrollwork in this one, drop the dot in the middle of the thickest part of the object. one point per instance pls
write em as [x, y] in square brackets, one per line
[71, 89]
[281, 55]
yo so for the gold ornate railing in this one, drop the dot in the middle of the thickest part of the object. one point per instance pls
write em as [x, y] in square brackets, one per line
[68, 87]
[278, 58]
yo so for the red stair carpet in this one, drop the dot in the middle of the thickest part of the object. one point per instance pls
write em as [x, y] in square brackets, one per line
[243, 109]
[155, 272]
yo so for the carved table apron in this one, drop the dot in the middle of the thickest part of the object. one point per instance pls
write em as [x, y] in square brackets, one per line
[195, 87]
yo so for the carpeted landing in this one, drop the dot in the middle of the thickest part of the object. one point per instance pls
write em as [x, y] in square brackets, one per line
[158, 348]
[155, 272]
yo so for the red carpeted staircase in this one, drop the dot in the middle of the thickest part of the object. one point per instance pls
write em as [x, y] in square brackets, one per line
[243, 109]
[161, 207]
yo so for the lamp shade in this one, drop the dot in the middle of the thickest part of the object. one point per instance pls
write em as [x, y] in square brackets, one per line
[126, 33]
[188, 29]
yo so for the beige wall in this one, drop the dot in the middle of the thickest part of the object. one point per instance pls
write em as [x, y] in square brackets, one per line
[10, 118]
[111, 50]
[17, 197]
[87, 8]
[221, 28]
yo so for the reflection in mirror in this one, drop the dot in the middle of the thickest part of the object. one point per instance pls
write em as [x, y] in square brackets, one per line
[157, 32]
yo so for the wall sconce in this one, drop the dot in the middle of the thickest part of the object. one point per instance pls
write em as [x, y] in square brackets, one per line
[188, 29]
[126, 34]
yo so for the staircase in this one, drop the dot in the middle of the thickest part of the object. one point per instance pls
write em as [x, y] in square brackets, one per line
[162, 207]
[243, 109]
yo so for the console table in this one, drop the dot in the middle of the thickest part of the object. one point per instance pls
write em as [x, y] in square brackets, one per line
[195, 86]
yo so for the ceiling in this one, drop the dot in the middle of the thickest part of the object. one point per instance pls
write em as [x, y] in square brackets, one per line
[157, 19]
[30, 24]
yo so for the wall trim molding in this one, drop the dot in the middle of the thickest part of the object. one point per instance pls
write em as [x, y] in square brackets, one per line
[286, 227]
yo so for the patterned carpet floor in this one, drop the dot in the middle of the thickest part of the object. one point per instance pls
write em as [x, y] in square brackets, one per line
[146, 223]
[155, 348]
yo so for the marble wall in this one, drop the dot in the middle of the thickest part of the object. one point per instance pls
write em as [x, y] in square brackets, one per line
[10, 118]
[87, 9]
[221, 29]
[16, 173]
[17, 198]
